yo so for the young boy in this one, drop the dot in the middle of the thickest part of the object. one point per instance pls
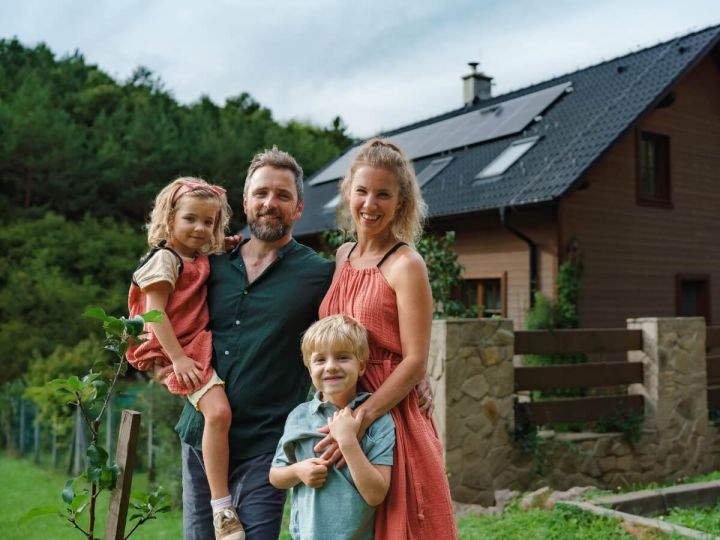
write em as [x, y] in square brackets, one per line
[330, 503]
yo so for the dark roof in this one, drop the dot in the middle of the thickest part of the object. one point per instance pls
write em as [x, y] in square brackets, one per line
[606, 100]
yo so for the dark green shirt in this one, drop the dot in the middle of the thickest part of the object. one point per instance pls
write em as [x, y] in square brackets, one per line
[256, 331]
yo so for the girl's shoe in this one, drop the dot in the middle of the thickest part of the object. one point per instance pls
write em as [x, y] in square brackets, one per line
[227, 525]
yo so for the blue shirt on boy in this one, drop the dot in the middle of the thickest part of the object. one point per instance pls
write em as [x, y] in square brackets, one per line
[335, 511]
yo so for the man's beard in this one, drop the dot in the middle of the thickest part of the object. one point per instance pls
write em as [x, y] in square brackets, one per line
[268, 231]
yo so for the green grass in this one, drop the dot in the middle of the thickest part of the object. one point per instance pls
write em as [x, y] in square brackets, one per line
[26, 486]
[705, 519]
[562, 523]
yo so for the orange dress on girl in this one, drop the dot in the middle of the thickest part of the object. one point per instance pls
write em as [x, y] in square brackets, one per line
[418, 504]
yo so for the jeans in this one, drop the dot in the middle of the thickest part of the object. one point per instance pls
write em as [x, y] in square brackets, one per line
[259, 505]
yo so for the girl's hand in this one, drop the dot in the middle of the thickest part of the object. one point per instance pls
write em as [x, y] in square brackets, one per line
[187, 371]
[344, 427]
[313, 472]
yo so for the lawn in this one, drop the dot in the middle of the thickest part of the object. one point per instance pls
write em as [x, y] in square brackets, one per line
[27, 486]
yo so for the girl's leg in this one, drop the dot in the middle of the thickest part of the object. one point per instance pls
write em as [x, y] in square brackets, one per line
[215, 446]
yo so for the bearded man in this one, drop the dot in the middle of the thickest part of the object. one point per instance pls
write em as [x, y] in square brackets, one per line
[261, 297]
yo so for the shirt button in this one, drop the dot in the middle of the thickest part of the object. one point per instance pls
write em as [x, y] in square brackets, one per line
[227, 353]
[245, 292]
[237, 323]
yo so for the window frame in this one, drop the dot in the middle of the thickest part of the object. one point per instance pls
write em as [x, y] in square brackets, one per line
[642, 197]
[480, 299]
[706, 299]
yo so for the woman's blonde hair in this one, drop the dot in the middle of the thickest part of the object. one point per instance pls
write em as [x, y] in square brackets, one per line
[410, 216]
[163, 213]
[338, 333]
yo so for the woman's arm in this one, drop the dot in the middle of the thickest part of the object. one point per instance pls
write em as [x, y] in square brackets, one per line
[409, 278]
[186, 370]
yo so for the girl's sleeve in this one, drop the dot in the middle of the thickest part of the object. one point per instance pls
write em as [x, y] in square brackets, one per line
[163, 266]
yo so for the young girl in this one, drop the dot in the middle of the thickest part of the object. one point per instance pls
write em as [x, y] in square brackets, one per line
[188, 222]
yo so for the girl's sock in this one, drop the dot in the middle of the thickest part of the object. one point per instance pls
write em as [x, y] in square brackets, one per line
[222, 502]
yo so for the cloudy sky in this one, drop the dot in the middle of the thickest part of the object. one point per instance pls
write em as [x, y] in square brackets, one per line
[378, 64]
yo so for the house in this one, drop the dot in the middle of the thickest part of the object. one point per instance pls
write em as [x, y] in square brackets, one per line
[617, 164]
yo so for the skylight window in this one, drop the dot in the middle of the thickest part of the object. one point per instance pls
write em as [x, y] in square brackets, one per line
[433, 168]
[507, 158]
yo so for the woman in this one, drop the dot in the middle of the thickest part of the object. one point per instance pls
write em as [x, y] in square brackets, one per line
[382, 282]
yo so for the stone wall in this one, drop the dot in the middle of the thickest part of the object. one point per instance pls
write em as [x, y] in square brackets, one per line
[471, 367]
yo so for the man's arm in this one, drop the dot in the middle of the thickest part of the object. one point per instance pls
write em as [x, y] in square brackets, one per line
[372, 481]
[311, 472]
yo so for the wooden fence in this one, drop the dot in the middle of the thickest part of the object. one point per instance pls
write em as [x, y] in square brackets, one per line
[592, 375]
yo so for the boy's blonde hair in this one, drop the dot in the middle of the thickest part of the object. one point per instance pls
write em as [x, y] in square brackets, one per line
[407, 225]
[163, 212]
[337, 333]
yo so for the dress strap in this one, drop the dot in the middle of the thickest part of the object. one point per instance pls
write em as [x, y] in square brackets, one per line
[390, 252]
[350, 252]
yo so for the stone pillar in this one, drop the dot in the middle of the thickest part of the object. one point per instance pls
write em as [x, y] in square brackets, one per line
[675, 391]
[471, 367]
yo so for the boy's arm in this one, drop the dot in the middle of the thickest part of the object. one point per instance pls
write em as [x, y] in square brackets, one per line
[372, 481]
[311, 472]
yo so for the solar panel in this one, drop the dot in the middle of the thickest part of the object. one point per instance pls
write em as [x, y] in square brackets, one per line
[433, 168]
[498, 120]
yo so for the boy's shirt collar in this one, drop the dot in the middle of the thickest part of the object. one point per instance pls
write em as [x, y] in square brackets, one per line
[316, 403]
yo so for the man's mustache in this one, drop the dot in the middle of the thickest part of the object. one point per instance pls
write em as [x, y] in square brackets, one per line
[269, 212]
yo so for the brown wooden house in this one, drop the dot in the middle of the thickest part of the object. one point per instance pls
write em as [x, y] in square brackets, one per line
[617, 164]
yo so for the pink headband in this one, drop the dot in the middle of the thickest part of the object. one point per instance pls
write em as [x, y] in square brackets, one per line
[188, 186]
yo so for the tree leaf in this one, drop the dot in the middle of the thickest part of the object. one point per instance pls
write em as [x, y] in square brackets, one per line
[152, 316]
[95, 313]
[67, 493]
[38, 511]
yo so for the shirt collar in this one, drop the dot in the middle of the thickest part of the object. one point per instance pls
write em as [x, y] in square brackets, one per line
[316, 403]
[281, 251]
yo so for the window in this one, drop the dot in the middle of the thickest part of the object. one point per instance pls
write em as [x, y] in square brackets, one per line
[653, 170]
[488, 293]
[507, 158]
[434, 168]
[692, 296]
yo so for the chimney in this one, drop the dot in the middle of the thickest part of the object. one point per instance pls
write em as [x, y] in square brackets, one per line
[476, 86]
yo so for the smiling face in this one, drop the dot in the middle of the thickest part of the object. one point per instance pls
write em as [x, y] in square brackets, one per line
[271, 203]
[374, 199]
[335, 374]
[193, 224]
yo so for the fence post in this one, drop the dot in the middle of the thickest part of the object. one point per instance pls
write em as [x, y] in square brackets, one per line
[21, 440]
[675, 391]
[125, 457]
[36, 436]
[471, 370]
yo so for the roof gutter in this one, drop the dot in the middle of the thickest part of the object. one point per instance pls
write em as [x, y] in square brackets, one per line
[532, 249]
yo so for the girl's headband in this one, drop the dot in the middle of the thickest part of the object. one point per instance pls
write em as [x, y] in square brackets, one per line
[188, 186]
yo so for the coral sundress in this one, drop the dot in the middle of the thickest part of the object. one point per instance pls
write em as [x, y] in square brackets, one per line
[418, 504]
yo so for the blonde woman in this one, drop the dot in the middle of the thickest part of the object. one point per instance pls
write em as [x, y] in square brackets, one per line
[381, 281]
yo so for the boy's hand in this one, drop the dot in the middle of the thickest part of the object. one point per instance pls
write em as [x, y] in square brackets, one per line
[312, 472]
[344, 427]
[187, 371]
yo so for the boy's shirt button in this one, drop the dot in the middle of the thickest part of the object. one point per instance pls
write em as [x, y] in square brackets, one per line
[227, 353]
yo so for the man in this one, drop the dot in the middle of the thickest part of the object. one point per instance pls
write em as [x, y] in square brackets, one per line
[261, 297]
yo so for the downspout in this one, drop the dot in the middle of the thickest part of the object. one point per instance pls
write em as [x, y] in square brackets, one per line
[532, 248]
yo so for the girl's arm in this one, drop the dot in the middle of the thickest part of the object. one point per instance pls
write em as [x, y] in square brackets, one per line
[186, 370]
[409, 278]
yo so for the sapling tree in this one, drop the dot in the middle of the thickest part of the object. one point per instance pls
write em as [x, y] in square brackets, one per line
[91, 394]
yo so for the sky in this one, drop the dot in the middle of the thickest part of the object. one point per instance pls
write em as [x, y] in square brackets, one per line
[379, 64]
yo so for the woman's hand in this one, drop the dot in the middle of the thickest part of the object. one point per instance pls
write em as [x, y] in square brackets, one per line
[344, 427]
[425, 396]
[331, 449]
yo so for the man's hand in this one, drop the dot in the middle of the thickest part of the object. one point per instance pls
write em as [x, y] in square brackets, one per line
[187, 371]
[344, 427]
[312, 472]
[232, 241]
